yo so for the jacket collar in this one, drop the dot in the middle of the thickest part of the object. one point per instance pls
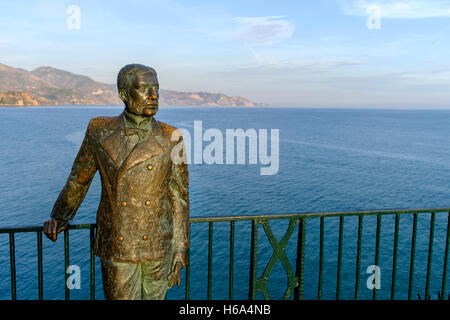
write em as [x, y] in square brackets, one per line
[145, 149]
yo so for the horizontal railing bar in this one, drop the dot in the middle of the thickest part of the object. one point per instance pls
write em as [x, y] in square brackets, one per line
[40, 228]
[257, 217]
[315, 215]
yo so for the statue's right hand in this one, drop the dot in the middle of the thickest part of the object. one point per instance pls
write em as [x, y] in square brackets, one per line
[53, 227]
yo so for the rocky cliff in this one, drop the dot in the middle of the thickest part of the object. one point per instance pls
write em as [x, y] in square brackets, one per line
[49, 86]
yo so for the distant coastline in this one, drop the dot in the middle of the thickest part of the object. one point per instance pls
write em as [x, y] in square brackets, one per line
[47, 86]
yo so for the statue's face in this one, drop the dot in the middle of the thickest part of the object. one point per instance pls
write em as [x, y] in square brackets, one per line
[142, 96]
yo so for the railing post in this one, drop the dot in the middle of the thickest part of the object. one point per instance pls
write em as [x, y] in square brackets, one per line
[377, 251]
[66, 262]
[188, 270]
[298, 292]
[253, 261]
[230, 280]
[358, 256]
[188, 273]
[12, 261]
[210, 246]
[338, 282]
[413, 250]
[394, 261]
[319, 290]
[430, 255]
[40, 272]
[447, 244]
[92, 240]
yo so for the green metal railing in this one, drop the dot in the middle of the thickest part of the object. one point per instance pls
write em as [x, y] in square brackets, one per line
[295, 274]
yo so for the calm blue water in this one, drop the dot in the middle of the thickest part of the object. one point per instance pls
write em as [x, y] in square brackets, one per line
[330, 160]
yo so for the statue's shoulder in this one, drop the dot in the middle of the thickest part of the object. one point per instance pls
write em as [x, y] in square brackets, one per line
[173, 133]
[167, 128]
[102, 123]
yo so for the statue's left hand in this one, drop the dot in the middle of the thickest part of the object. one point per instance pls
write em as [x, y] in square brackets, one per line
[53, 227]
[179, 262]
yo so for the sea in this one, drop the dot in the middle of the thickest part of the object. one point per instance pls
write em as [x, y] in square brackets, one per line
[328, 160]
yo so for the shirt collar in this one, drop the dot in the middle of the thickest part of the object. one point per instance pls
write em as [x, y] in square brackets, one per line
[132, 122]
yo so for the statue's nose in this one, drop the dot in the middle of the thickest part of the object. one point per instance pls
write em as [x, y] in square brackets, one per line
[153, 95]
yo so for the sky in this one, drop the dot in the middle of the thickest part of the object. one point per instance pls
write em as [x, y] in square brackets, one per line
[299, 53]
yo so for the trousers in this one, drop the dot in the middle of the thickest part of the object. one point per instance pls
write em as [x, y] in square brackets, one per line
[135, 281]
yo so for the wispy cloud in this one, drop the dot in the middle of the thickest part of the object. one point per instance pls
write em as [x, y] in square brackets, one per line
[290, 68]
[405, 9]
[264, 30]
[6, 42]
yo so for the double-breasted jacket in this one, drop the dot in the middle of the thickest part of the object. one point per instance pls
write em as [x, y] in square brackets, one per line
[143, 213]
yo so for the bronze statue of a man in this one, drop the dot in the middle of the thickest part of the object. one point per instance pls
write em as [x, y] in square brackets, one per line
[143, 217]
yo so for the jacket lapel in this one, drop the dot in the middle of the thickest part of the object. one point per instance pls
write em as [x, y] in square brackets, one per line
[115, 142]
[144, 150]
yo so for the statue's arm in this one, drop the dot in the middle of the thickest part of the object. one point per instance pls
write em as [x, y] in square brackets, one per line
[179, 189]
[74, 191]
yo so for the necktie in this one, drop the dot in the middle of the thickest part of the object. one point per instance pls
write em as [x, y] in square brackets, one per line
[140, 132]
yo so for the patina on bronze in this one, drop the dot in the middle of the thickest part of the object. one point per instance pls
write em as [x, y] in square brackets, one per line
[143, 217]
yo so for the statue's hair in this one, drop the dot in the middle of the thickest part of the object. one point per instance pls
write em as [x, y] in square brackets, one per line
[128, 73]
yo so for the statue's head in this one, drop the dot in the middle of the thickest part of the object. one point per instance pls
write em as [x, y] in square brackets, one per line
[138, 88]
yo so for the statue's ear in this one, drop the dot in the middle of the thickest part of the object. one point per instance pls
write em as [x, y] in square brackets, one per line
[123, 95]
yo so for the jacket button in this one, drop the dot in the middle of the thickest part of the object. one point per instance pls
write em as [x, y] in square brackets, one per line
[147, 203]
[149, 167]
[120, 238]
[145, 237]
[124, 204]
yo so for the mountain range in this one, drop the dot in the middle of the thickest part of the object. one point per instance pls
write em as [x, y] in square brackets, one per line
[47, 86]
